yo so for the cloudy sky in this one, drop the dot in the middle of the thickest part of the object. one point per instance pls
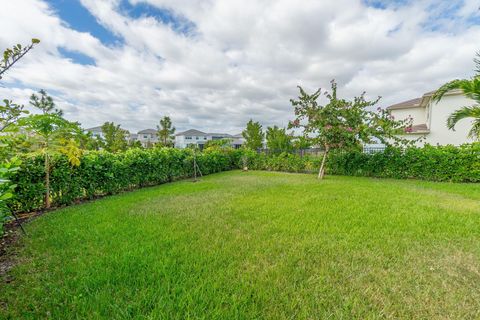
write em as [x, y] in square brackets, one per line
[214, 64]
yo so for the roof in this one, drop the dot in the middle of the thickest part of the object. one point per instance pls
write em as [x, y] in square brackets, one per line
[191, 132]
[226, 135]
[95, 129]
[418, 128]
[147, 131]
[412, 103]
[417, 102]
[194, 132]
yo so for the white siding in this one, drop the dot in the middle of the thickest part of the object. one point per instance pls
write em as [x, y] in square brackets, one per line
[435, 116]
[439, 133]
[419, 114]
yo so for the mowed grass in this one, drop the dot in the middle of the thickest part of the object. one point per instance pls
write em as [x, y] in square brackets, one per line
[255, 245]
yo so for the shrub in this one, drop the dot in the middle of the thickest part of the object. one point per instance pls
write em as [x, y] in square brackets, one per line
[104, 173]
[435, 163]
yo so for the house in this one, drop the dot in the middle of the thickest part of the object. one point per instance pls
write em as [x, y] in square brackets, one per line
[430, 118]
[96, 131]
[199, 138]
[147, 137]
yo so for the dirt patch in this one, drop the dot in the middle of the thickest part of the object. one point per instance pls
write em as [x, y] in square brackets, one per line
[9, 240]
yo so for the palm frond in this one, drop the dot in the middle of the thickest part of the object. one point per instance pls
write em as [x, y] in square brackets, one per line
[452, 85]
[463, 113]
[474, 133]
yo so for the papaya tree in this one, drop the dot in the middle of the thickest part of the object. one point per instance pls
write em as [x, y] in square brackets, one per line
[50, 133]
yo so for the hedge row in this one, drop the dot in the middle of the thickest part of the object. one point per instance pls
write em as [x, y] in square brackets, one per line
[286, 162]
[434, 163]
[103, 173]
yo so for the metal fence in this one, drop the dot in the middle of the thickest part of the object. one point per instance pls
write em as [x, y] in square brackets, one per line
[373, 149]
[317, 152]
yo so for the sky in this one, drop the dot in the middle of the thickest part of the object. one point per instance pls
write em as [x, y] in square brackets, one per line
[214, 64]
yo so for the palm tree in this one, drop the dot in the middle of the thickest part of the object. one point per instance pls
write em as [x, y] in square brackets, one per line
[471, 89]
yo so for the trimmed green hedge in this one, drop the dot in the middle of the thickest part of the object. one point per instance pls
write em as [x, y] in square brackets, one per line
[286, 162]
[434, 163]
[104, 173]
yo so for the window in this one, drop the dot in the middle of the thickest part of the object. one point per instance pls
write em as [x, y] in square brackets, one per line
[196, 138]
[204, 138]
[188, 138]
[145, 137]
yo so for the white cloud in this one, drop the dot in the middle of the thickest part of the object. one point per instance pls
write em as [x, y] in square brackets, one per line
[243, 59]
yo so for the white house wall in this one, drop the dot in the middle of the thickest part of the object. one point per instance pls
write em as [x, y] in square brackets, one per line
[435, 115]
[418, 114]
[439, 113]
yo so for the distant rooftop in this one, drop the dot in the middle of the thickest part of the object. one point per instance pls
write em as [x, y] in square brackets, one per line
[95, 129]
[191, 132]
[147, 131]
[417, 102]
[413, 103]
[194, 132]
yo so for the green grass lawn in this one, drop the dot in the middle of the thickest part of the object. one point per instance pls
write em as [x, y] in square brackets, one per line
[255, 245]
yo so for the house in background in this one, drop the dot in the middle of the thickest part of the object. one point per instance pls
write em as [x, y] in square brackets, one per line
[147, 137]
[96, 131]
[199, 138]
[430, 118]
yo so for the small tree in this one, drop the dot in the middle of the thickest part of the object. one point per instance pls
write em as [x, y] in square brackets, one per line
[50, 133]
[10, 114]
[87, 140]
[278, 140]
[301, 143]
[135, 144]
[115, 138]
[253, 135]
[218, 144]
[343, 124]
[165, 131]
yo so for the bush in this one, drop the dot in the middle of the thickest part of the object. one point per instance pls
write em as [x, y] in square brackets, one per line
[434, 163]
[103, 173]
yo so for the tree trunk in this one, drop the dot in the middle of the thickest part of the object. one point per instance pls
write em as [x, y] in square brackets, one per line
[47, 182]
[321, 172]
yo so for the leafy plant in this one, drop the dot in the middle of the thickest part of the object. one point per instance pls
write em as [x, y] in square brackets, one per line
[278, 140]
[11, 56]
[165, 132]
[7, 170]
[253, 135]
[471, 89]
[115, 138]
[10, 114]
[51, 133]
[343, 124]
